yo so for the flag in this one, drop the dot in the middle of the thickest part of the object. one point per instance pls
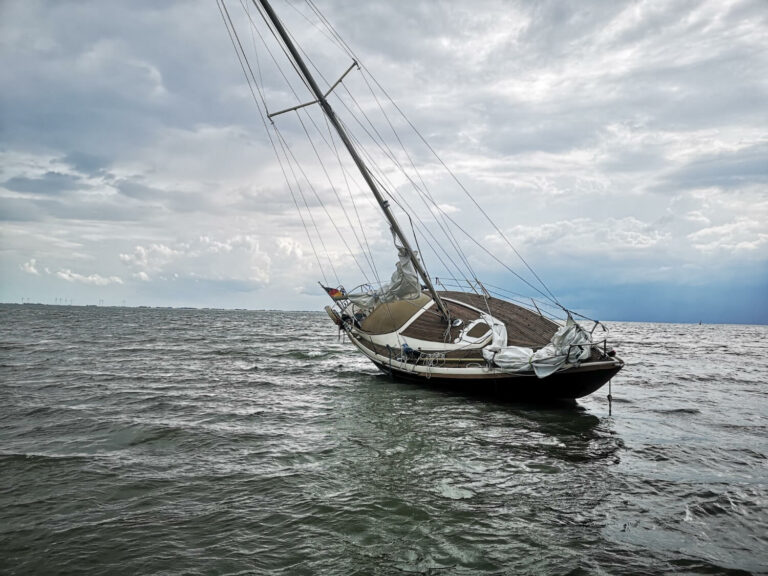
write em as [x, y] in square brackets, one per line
[335, 293]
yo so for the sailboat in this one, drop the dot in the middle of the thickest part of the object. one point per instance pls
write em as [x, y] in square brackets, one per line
[414, 327]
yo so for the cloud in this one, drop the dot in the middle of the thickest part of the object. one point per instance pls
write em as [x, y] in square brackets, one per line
[235, 258]
[627, 137]
[743, 235]
[92, 279]
[30, 267]
[584, 235]
[726, 169]
[697, 217]
[50, 183]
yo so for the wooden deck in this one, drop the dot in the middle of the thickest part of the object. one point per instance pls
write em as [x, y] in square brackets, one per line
[524, 328]
[430, 326]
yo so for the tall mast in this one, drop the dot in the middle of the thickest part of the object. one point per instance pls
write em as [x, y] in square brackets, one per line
[355, 156]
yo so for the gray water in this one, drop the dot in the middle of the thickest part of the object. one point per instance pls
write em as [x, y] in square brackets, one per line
[156, 441]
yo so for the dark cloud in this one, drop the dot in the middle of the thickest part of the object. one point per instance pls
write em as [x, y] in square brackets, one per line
[86, 163]
[23, 209]
[52, 183]
[727, 170]
[139, 191]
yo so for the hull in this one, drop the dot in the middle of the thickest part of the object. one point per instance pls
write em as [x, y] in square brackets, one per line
[564, 386]
[408, 342]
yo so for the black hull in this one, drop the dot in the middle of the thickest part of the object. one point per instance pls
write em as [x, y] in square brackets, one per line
[559, 387]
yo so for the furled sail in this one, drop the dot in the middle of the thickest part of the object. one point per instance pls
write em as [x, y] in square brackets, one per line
[404, 285]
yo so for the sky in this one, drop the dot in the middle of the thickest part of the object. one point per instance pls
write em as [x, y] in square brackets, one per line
[622, 147]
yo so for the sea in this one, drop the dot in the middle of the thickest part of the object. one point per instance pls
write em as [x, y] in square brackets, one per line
[183, 441]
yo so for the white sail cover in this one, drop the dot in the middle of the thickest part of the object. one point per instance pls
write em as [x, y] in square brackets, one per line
[404, 285]
[570, 344]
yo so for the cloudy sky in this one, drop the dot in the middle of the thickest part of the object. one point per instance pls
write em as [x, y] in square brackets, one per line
[621, 146]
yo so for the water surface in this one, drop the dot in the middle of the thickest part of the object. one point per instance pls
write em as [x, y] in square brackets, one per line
[222, 442]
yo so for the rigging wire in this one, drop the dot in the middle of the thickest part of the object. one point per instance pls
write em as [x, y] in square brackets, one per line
[441, 218]
[391, 191]
[320, 200]
[287, 151]
[425, 192]
[387, 151]
[384, 148]
[245, 66]
[351, 53]
[362, 250]
[370, 259]
[375, 165]
[381, 144]
[292, 156]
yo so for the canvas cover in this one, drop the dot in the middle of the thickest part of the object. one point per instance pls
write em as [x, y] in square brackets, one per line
[570, 344]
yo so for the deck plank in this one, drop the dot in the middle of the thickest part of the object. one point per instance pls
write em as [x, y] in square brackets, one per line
[524, 327]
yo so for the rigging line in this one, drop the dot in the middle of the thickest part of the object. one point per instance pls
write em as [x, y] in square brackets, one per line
[524, 304]
[526, 282]
[330, 182]
[324, 206]
[254, 27]
[379, 176]
[386, 185]
[510, 296]
[423, 228]
[370, 259]
[464, 189]
[280, 45]
[339, 39]
[390, 154]
[395, 161]
[425, 231]
[450, 172]
[256, 54]
[329, 145]
[541, 303]
[362, 148]
[287, 41]
[415, 236]
[284, 145]
[321, 135]
[425, 188]
[301, 215]
[315, 25]
[244, 62]
[232, 36]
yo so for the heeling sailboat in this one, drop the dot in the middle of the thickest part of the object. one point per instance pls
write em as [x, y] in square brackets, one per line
[460, 339]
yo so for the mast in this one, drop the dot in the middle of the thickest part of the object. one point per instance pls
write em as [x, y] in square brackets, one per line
[384, 204]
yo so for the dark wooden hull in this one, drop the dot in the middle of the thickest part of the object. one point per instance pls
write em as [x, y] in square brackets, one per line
[565, 386]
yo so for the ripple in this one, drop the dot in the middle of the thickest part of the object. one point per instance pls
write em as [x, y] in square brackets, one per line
[197, 441]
